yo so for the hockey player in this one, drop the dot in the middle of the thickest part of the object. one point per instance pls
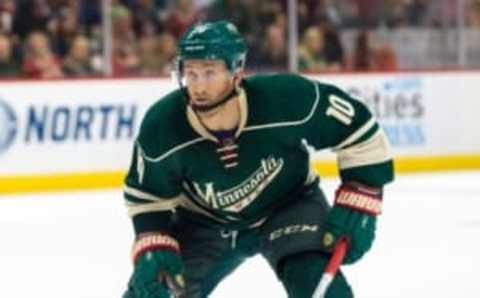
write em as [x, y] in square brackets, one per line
[221, 172]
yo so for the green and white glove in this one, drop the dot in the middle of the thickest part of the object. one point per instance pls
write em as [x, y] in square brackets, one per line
[158, 267]
[354, 217]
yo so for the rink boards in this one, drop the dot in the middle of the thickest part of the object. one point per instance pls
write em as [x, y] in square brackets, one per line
[78, 133]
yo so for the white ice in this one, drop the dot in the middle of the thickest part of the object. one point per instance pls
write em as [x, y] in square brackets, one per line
[77, 244]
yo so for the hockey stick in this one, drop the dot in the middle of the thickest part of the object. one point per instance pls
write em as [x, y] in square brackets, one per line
[175, 285]
[332, 267]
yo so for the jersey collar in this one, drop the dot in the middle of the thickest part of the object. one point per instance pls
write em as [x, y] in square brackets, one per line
[201, 130]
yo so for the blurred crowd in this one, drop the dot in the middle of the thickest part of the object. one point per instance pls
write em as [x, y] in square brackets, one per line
[65, 38]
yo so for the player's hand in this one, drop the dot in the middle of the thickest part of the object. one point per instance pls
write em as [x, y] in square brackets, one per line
[158, 268]
[353, 216]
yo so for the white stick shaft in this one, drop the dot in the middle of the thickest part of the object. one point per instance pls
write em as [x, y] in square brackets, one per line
[322, 287]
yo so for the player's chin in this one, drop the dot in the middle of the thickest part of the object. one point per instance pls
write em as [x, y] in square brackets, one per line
[201, 104]
[204, 106]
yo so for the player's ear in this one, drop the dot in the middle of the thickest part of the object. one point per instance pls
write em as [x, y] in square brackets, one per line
[238, 77]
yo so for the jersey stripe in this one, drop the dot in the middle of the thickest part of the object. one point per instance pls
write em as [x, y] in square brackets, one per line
[171, 151]
[143, 195]
[227, 148]
[229, 156]
[138, 202]
[356, 135]
[135, 209]
[372, 151]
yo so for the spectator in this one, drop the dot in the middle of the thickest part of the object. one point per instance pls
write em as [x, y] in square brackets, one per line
[473, 14]
[416, 11]
[320, 50]
[31, 15]
[40, 62]
[146, 18]
[369, 56]
[122, 24]
[126, 60]
[272, 53]
[280, 19]
[304, 10]
[238, 12]
[397, 13]
[125, 54]
[268, 11]
[157, 53]
[385, 59]
[263, 22]
[363, 55]
[311, 56]
[63, 28]
[349, 13]
[7, 12]
[181, 16]
[334, 53]
[90, 13]
[325, 11]
[151, 63]
[368, 12]
[168, 51]
[9, 67]
[78, 63]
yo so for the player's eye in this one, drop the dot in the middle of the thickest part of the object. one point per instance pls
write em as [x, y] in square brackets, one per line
[190, 75]
[210, 73]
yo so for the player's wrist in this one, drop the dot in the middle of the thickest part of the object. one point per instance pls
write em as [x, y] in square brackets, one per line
[152, 241]
[360, 197]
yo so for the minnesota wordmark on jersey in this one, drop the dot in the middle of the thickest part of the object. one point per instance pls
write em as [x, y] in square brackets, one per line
[240, 196]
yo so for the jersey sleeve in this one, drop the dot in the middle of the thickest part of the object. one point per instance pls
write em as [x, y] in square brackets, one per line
[346, 125]
[152, 189]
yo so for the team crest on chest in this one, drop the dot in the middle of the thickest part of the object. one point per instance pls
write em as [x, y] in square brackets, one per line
[240, 196]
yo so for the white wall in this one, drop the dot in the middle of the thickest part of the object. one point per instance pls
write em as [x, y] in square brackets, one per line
[89, 125]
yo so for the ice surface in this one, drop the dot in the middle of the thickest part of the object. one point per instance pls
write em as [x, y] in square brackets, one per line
[77, 245]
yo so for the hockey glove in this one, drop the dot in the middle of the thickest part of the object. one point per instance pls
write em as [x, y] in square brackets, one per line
[353, 216]
[158, 268]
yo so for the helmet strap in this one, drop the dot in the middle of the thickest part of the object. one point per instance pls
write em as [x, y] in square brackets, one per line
[205, 108]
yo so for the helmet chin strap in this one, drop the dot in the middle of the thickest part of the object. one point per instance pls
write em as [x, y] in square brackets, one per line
[205, 108]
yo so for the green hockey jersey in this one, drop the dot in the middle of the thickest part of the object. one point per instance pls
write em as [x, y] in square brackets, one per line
[178, 165]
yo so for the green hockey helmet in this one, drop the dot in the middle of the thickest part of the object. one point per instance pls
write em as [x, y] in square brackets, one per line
[214, 41]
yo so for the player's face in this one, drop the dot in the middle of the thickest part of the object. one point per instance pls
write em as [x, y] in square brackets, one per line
[208, 81]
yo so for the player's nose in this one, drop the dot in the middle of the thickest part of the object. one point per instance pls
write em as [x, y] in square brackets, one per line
[198, 89]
